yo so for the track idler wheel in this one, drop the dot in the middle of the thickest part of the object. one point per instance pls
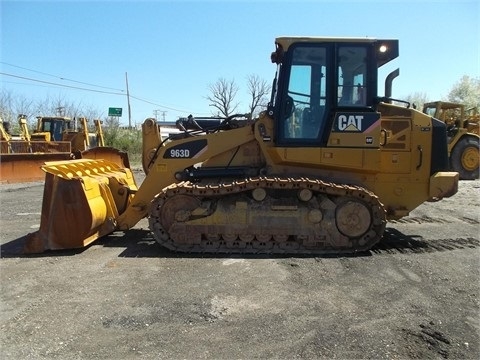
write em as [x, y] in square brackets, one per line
[353, 218]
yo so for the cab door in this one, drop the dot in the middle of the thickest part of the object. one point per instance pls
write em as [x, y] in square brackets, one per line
[326, 114]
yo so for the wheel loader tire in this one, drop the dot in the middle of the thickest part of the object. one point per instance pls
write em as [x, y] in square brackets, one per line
[464, 158]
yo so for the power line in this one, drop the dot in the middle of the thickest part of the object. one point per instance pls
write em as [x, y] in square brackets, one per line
[94, 90]
[23, 83]
[162, 106]
[60, 77]
[61, 85]
[80, 88]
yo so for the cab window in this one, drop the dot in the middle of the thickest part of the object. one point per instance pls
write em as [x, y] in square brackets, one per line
[306, 94]
[352, 76]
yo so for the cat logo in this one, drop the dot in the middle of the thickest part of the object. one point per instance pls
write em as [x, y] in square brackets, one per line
[355, 122]
[350, 122]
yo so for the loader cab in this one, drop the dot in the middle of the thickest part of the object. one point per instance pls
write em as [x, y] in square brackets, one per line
[56, 126]
[324, 85]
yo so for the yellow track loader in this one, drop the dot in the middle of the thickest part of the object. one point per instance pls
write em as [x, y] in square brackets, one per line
[321, 170]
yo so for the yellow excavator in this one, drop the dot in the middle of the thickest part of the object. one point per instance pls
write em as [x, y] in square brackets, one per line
[321, 170]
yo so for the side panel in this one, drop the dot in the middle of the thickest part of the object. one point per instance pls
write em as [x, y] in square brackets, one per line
[396, 145]
[355, 129]
[404, 180]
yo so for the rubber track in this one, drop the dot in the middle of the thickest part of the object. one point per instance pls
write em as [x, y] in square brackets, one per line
[292, 246]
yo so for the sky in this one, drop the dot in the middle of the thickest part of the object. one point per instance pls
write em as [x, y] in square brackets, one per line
[172, 51]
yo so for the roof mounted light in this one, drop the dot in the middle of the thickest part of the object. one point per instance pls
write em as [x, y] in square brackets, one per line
[386, 50]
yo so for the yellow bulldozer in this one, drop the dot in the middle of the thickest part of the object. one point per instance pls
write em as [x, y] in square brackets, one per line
[462, 136]
[21, 156]
[55, 138]
[61, 128]
[84, 144]
[321, 170]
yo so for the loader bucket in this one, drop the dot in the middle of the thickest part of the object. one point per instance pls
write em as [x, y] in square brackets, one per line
[106, 153]
[81, 201]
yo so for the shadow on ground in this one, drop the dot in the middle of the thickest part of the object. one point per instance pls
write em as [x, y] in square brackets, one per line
[140, 243]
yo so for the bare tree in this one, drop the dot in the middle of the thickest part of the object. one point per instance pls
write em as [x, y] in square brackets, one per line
[91, 113]
[222, 96]
[62, 106]
[12, 105]
[23, 106]
[417, 99]
[258, 90]
[6, 106]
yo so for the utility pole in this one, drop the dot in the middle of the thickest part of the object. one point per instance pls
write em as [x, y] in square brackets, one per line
[60, 110]
[128, 104]
[155, 112]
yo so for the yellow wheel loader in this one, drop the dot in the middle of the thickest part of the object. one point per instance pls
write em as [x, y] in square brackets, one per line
[462, 136]
[320, 171]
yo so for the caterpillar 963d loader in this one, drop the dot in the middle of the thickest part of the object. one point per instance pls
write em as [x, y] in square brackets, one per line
[320, 171]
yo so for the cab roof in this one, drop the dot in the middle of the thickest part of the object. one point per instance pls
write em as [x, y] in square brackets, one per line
[387, 49]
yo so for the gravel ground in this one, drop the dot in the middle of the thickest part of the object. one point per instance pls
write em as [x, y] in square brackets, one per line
[415, 295]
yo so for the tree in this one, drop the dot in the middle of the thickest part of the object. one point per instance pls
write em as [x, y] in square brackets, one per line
[417, 99]
[111, 131]
[258, 90]
[222, 96]
[466, 91]
[6, 106]
[12, 105]
[61, 106]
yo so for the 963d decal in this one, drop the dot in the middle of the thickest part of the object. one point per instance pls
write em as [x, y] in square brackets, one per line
[188, 150]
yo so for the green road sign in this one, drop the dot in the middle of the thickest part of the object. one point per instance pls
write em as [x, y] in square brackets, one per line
[114, 111]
